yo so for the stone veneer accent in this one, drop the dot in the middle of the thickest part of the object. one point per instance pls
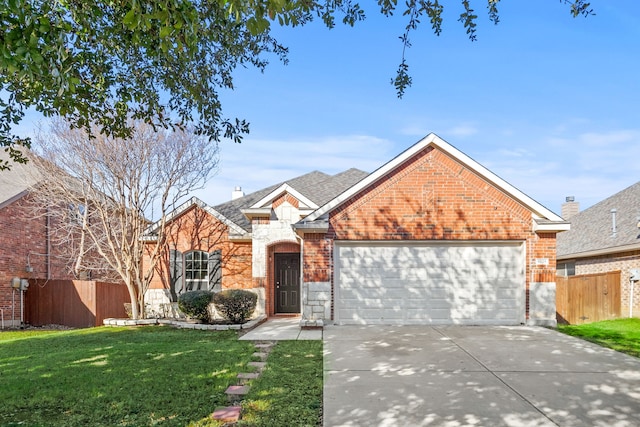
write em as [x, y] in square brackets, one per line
[316, 302]
[160, 306]
[183, 324]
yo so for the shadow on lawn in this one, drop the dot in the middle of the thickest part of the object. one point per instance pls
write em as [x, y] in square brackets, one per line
[118, 376]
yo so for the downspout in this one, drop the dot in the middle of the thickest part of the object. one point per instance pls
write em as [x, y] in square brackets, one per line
[633, 278]
[48, 244]
[631, 298]
[306, 296]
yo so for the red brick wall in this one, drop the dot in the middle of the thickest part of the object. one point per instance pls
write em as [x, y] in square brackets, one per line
[430, 197]
[286, 197]
[196, 229]
[23, 240]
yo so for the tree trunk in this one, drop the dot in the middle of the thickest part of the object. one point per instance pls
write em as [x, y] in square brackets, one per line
[133, 297]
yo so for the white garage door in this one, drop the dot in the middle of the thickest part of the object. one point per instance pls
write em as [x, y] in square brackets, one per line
[468, 283]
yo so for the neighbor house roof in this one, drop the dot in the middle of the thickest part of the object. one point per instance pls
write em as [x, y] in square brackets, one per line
[592, 229]
[15, 182]
[544, 219]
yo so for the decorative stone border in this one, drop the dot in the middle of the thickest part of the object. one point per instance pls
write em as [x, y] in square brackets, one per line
[184, 324]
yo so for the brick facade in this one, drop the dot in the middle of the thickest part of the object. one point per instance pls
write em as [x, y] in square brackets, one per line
[198, 230]
[432, 196]
[620, 261]
[24, 241]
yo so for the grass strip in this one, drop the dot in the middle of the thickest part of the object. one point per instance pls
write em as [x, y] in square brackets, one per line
[621, 334]
[289, 391]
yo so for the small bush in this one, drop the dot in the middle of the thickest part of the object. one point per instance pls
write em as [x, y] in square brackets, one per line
[195, 304]
[235, 305]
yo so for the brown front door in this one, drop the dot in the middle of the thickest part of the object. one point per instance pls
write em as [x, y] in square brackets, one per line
[287, 283]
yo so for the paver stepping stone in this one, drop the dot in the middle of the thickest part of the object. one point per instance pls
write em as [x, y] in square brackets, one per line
[245, 377]
[265, 346]
[259, 365]
[261, 355]
[236, 392]
[229, 414]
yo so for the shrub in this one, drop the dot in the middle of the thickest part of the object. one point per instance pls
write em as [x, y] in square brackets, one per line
[235, 305]
[195, 304]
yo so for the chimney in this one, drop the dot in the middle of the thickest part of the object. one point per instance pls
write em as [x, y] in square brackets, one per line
[237, 193]
[570, 207]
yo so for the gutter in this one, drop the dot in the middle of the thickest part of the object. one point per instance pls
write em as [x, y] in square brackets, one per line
[597, 252]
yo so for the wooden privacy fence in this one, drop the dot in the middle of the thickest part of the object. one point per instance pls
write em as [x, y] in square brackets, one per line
[75, 303]
[588, 298]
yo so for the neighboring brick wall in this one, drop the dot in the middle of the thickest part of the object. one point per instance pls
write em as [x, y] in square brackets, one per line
[196, 229]
[430, 197]
[23, 239]
[613, 262]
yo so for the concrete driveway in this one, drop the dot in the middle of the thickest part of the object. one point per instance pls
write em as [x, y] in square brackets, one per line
[474, 376]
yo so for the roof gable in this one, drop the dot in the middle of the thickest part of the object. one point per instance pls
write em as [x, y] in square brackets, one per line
[278, 192]
[313, 189]
[545, 220]
[592, 229]
[185, 207]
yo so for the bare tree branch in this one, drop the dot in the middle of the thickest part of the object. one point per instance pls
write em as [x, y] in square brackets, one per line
[106, 187]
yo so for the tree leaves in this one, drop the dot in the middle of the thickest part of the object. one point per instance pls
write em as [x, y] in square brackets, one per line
[164, 61]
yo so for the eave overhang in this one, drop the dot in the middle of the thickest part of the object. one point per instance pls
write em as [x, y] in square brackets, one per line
[599, 252]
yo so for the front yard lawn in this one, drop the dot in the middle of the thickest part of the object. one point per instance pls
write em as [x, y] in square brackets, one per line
[621, 334]
[148, 376]
[289, 389]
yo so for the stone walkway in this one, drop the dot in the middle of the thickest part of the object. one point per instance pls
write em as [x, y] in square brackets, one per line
[236, 393]
[282, 329]
[265, 336]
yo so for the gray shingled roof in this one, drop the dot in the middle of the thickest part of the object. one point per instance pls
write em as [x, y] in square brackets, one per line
[16, 181]
[316, 186]
[591, 229]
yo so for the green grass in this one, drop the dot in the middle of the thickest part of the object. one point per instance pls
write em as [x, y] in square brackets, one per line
[289, 391]
[622, 334]
[152, 376]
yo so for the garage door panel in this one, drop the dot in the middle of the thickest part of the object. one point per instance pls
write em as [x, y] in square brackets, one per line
[433, 284]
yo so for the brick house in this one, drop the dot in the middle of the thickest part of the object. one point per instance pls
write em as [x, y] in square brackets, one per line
[26, 251]
[605, 238]
[431, 237]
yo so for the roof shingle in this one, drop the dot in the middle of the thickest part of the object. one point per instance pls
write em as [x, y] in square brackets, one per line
[316, 186]
[591, 229]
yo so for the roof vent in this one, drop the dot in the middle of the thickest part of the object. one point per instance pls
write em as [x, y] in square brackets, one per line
[614, 227]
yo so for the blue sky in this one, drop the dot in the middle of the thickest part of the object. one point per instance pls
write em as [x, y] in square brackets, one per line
[548, 102]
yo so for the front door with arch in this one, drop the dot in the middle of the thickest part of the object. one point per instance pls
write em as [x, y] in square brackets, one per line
[287, 283]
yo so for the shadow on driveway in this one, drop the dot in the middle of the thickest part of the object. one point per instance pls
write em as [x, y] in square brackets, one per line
[474, 376]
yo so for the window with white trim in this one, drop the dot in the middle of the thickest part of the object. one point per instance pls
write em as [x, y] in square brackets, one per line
[194, 270]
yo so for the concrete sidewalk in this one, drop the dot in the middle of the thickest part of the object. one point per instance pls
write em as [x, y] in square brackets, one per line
[280, 329]
[480, 376]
